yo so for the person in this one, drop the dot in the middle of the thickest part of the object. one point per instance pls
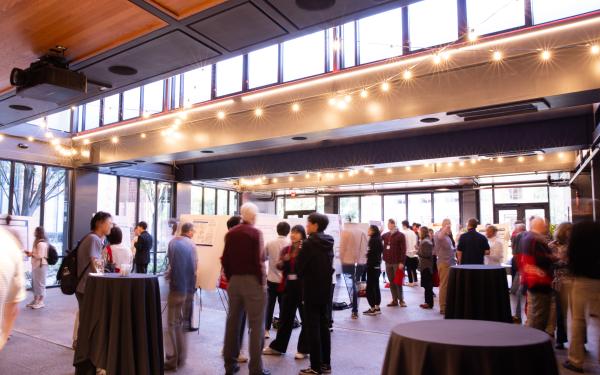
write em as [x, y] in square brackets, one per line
[243, 263]
[353, 257]
[561, 285]
[121, 254]
[472, 246]
[181, 276]
[315, 266]
[516, 287]
[330, 301]
[415, 228]
[292, 299]
[412, 260]
[496, 256]
[584, 268]
[535, 264]
[273, 250]
[374, 270]
[425, 253]
[12, 283]
[394, 254]
[39, 268]
[143, 246]
[443, 251]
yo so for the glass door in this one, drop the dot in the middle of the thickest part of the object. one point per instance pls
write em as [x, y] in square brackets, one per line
[511, 213]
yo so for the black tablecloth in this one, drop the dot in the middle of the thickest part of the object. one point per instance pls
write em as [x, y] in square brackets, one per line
[120, 326]
[478, 292]
[459, 347]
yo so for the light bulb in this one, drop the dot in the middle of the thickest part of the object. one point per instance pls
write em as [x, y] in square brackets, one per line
[114, 139]
[86, 141]
[521, 159]
[364, 93]
[545, 55]
[30, 139]
[55, 142]
[540, 157]
[370, 172]
[342, 105]
[473, 161]
[264, 178]
[497, 56]
[143, 135]
[385, 86]
[595, 49]
[307, 176]
[73, 108]
[275, 180]
[450, 164]
[408, 168]
[389, 170]
[437, 59]
[183, 115]
[291, 179]
[332, 101]
[473, 36]
[295, 107]
[561, 155]
[348, 98]
[85, 153]
[462, 163]
[220, 115]
[500, 159]
[146, 115]
[49, 135]
[258, 112]
[407, 74]
[341, 175]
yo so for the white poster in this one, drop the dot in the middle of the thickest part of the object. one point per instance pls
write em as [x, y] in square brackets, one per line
[22, 228]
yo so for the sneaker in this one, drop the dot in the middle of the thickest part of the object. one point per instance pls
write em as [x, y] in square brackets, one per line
[425, 306]
[270, 351]
[300, 356]
[354, 315]
[370, 312]
[267, 335]
[402, 304]
[242, 358]
[393, 304]
[31, 303]
[516, 320]
[326, 369]
[569, 366]
[309, 371]
[38, 305]
[377, 309]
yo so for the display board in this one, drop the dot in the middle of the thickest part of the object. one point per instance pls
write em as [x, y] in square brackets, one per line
[126, 227]
[22, 227]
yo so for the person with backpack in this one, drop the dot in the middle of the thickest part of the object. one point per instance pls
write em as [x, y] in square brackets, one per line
[39, 268]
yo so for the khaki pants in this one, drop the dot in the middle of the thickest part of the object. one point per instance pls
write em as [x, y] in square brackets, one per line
[176, 348]
[443, 271]
[585, 294]
[539, 306]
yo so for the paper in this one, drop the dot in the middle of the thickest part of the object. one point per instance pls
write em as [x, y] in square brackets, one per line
[204, 232]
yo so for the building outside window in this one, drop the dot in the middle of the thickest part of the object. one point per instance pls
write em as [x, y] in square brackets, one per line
[222, 201]
[419, 208]
[233, 203]
[128, 198]
[550, 10]
[92, 115]
[349, 209]
[4, 186]
[27, 196]
[163, 229]
[56, 214]
[394, 207]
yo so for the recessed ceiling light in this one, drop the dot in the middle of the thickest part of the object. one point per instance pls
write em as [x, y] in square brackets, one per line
[20, 107]
[429, 120]
[299, 138]
[122, 70]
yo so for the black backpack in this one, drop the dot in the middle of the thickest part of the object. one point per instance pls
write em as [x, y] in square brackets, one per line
[52, 257]
[67, 272]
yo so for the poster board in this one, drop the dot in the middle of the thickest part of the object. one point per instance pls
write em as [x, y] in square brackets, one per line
[502, 235]
[22, 227]
[126, 227]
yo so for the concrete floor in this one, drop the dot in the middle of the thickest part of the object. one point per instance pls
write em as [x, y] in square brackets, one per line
[42, 338]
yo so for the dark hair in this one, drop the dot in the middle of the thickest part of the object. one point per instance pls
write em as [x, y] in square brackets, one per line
[375, 229]
[321, 220]
[405, 223]
[416, 225]
[424, 231]
[39, 233]
[492, 228]
[99, 218]
[283, 228]
[299, 229]
[472, 223]
[233, 221]
[583, 254]
[8, 219]
[392, 221]
[186, 227]
[116, 236]
[562, 233]
[143, 225]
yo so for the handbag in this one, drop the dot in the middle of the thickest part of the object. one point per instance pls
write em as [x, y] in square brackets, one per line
[399, 277]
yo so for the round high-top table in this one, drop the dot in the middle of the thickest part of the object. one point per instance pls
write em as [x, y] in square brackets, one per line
[458, 347]
[478, 292]
[120, 326]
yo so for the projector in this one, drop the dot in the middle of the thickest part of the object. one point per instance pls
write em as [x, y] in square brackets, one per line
[49, 79]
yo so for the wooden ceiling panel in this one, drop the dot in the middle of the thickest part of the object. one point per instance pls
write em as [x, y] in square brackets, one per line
[30, 27]
[184, 8]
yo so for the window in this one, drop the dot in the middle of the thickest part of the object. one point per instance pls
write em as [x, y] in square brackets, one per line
[489, 16]
[4, 186]
[78, 119]
[111, 109]
[153, 97]
[92, 115]
[370, 208]
[446, 206]
[107, 193]
[263, 66]
[348, 45]
[560, 204]
[300, 204]
[321, 205]
[380, 36]
[131, 103]
[349, 209]
[197, 85]
[27, 196]
[230, 74]
[176, 91]
[549, 10]
[60, 121]
[537, 194]
[209, 201]
[419, 208]
[56, 207]
[164, 230]
[486, 206]
[222, 201]
[304, 56]
[333, 48]
[196, 199]
[127, 198]
[279, 207]
[233, 203]
[394, 207]
[147, 199]
[432, 22]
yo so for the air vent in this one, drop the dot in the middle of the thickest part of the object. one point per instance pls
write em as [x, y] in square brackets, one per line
[508, 109]
[117, 165]
[262, 196]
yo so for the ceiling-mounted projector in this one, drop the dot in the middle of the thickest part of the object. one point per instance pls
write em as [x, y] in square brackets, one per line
[49, 79]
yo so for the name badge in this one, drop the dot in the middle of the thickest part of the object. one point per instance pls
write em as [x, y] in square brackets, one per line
[292, 277]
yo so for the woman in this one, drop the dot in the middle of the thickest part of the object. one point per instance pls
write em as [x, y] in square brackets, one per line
[292, 298]
[119, 253]
[561, 283]
[39, 268]
[425, 254]
[374, 270]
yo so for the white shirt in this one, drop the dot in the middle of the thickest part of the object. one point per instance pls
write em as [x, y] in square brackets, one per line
[273, 250]
[410, 238]
[39, 254]
[12, 273]
[496, 256]
[121, 254]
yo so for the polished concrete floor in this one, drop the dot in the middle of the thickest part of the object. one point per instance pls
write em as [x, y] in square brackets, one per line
[42, 338]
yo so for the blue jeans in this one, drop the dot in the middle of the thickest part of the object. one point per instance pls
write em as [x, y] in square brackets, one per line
[352, 274]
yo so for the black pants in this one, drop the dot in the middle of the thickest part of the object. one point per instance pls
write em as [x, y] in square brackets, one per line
[141, 268]
[561, 321]
[273, 296]
[291, 301]
[373, 291]
[319, 337]
[330, 306]
[427, 284]
[411, 267]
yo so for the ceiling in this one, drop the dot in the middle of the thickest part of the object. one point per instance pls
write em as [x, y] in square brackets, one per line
[156, 37]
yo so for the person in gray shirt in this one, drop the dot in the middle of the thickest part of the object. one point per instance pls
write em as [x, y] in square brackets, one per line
[446, 258]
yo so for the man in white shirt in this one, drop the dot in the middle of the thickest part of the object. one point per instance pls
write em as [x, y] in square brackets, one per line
[273, 250]
[496, 256]
[353, 256]
[412, 260]
[12, 283]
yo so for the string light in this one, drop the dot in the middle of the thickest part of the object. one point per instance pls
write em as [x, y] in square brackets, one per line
[545, 55]
[264, 178]
[146, 115]
[497, 56]
[86, 141]
[341, 175]
[307, 176]
[595, 49]
[73, 108]
[472, 36]
[332, 101]
[389, 170]
[540, 157]
[364, 93]
[49, 135]
[500, 159]
[348, 98]
[408, 168]
[462, 163]
[143, 135]
[342, 105]
[183, 115]
[426, 165]
[55, 142]
[561, 155]
[437, 59]
[370, 172]
[114, 139]
[385, 86]
[291, 179]
[220, 115]
[450, 164]
[407, 74]
[258, 112]
[295, 107]
[275, 180]
[74, 152]
[473, 161]
[521, 159]
[85, 153]
[1, 137]
[30, 139]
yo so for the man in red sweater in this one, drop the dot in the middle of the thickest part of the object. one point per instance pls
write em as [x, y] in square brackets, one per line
[394, 254]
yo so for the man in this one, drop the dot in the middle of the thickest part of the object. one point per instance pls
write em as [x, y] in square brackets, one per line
[314, 267]
[143, 246]
[472, 246]
[496, 256]
[12, 283]
[273, 250]
[516, 287]
[444, 251]
[243, 263]
[412, 260]
[353, 257]
[416, 227]
[182, 285]
[535, 264]
[394, 253]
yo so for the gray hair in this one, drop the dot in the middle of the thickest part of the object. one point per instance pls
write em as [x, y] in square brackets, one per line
[187, 227]
[248, 212]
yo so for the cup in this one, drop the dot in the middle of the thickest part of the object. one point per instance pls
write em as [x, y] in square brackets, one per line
[125, 269]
